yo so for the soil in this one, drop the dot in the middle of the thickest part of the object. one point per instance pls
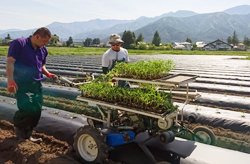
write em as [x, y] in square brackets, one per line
[55, 151]
[18, 151]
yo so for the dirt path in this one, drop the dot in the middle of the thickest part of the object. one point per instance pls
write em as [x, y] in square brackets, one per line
[13, 150]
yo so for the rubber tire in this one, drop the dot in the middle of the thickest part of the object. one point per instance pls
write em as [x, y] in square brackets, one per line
[100, 141]
[207, 131]
[163, 162]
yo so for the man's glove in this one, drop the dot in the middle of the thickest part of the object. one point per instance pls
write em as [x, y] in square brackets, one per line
[12, 86]
[51, 76]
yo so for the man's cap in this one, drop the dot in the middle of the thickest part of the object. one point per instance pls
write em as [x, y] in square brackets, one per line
[115, 38]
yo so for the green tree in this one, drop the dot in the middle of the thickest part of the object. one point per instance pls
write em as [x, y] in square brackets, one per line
[229, 40]
[69, 42]
[139, 38]
[8, 37]
[53, 40]
[189, 40]
[96, 41]
[128, 39]
[235, 39]
[157, 39]
[194, 46]
[142, 47]
[169, 46]
[246, 41]
[88, 42]
[134, 35]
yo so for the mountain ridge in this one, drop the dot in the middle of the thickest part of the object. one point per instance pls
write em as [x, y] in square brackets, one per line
[177, 29]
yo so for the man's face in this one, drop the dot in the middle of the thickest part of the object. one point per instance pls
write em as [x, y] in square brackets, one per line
[116, 46]
[41, 41]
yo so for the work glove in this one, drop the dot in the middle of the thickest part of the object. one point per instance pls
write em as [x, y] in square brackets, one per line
[12, 86]
[51, 76]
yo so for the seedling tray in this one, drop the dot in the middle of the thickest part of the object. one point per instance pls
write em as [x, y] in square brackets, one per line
[173, 81]
[178, 79]
[124, 108]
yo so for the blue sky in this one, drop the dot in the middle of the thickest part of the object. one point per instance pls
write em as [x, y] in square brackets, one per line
[29, 14]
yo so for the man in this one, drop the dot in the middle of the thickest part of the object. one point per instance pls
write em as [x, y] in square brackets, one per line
[115, 54]
[25, 68]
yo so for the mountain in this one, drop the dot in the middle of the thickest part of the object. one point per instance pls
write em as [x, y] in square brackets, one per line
[65, 30]
[172, 27]
[244, 9]
[6, 31]
[133, 25]
[202, 27]
[97, 28]
[18, 34]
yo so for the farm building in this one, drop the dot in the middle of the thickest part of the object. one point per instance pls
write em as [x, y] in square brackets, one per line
[182, 45]
[240, 47]
[200, 44]
[218, 45]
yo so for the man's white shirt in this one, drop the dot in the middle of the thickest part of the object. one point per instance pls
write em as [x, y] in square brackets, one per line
[110, 55]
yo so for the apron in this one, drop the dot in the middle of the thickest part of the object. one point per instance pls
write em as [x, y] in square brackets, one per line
[120, 83]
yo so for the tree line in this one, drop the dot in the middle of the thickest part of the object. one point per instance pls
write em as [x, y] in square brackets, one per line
[235, 41]
[133, 42]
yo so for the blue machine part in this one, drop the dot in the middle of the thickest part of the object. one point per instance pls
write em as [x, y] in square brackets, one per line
[115, 139]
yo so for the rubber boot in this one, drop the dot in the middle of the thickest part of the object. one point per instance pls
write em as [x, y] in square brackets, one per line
[29, 131]
[20, 132]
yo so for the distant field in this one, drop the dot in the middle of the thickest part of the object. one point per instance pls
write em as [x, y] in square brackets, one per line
[100, 51]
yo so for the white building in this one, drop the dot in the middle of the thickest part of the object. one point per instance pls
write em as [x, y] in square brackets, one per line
[182, 45]
[200, 44]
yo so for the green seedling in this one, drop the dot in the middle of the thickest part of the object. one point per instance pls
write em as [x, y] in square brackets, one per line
[197, 108]
[12, 102]
[244, 97]
[4, 100]
[217, 110]
[243, 114]
[56, 112]
[61, 86]
[225, 95]
[49, 84]
[72, 115]
[69, 88]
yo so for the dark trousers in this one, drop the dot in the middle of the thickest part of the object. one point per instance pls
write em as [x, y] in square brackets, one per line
[29, 98]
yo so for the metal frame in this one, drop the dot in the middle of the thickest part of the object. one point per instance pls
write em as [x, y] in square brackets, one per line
[172, 85]
[162, 82]
[170, 82]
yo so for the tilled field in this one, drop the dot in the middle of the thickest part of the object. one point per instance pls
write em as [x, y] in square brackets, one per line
[223, 81]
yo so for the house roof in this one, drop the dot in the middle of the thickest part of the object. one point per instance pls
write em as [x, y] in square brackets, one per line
[182, 43]
[218, 40]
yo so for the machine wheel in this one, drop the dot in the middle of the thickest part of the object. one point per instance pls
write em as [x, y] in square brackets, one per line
[90, 145]
[206, 134]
